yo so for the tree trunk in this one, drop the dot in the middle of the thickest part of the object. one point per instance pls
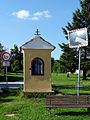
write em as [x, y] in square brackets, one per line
[84, 74]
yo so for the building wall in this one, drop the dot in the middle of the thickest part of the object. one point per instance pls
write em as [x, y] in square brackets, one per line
[36, 83]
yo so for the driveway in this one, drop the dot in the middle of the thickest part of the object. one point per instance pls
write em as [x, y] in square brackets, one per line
[12, 85]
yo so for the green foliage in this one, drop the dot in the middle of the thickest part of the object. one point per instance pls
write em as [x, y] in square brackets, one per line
[17, 59]
[36, 95]
[85, 65]
[52, 63]
[5, 90]
[15, 66]
[56, 67]
[81, 19]
[68, 59]
[1, 62]
[88, 75]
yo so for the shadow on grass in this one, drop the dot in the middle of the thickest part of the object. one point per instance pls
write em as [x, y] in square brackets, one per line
[72, 113]
[4, 97]
[10, 78]
[86, 88]
[2, 100]
[57, 89]
[88, 79]
[63, 87]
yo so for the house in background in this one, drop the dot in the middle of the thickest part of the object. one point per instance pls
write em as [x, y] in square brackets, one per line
[77, 72]
[37, 65]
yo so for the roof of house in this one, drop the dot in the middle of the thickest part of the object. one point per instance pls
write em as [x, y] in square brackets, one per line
[37, 43]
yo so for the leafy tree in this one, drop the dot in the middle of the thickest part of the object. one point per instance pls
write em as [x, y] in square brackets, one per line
[15, 66]
[52, 63]
[68, 59]
[16, 56]
[81, 19]
[1, 51]
[56, 67]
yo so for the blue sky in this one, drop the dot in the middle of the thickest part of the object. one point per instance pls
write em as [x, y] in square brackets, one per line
[19, 20]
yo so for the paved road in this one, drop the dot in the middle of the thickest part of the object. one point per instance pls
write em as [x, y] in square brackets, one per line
[12, 85]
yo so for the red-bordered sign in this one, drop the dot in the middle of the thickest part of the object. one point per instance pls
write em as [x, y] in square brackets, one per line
[78, 38]
[6, 56]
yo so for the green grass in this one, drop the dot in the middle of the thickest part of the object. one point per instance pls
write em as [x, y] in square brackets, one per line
[68, 86]
[34, 108]
[12, 77]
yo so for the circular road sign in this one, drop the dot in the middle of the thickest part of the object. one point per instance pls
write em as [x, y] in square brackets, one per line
[6, 56]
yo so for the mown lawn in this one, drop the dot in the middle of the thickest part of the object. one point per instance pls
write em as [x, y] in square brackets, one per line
[68, 86]
[34, 108]
[12, 77]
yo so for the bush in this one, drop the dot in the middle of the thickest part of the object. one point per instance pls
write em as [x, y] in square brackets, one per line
[5, 90]
[88, 75]
[36, 94]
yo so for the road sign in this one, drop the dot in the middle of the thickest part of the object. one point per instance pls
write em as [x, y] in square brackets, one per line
[6, 56]
[78, 38]
[6, 63]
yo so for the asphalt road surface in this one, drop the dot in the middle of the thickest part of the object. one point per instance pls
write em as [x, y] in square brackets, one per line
[12, 85]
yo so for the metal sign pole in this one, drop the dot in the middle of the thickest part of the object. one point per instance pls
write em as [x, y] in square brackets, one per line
[6, 58]
[6, 77]
[79, 71]
[78, 38]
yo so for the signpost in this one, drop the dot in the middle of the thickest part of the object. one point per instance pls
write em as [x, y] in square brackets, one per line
[77, 39]
[6, 58]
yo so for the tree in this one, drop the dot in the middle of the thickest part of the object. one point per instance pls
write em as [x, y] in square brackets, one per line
[15, 66]
[17, 56]
[81, 19]
[1, 51]
[68, 59]
[52, 63]
[56, 67]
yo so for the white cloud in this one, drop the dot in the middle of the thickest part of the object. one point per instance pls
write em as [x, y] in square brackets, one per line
[34, 18]
[25, 14]
[47, 14]
[22, 14]
[38, 13]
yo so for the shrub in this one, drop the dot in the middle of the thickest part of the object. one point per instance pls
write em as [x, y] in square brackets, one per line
[88, 75]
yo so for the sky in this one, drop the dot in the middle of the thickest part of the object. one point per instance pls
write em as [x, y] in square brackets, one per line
[19, 19]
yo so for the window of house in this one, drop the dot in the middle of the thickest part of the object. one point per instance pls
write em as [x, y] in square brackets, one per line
[37, 66]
